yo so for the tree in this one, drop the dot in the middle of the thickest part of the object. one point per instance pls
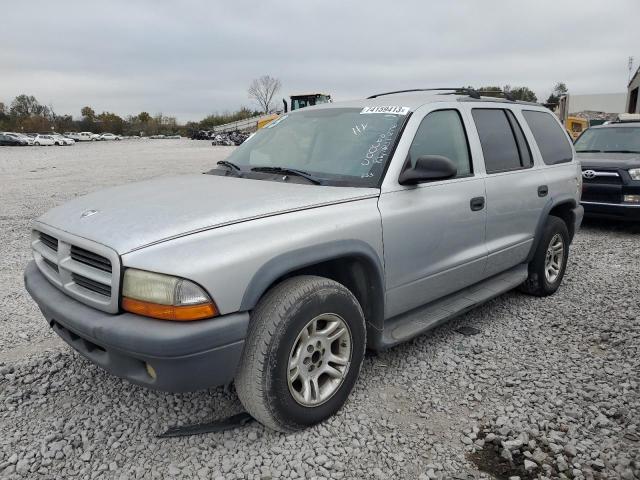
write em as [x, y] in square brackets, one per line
[516, 93]
[63, 123]
[26, 105]
[88, 113]
[559, 90]
[144, 117]
[520, 93]
[262, 90]
[110, 122]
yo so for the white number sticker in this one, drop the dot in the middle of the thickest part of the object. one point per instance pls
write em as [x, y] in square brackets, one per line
[394, 110]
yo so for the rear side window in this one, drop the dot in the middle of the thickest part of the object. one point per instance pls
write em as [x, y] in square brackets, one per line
[503, 144]
[551, 139]
[442, 133]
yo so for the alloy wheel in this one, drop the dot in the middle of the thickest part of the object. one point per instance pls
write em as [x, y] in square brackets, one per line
[319, 360]
[554, 258]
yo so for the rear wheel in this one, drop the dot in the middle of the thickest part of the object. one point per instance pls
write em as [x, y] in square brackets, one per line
[549, 263]
[303, 353]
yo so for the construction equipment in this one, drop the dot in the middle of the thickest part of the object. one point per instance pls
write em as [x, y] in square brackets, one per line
[306, 100]
[575, 126]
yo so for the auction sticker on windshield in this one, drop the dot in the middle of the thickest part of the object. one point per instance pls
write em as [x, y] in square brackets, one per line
[386, 109]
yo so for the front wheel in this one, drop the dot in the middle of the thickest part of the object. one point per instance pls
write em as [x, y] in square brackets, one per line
[302, 354]
[549, 263]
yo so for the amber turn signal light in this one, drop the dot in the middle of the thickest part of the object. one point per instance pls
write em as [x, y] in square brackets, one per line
[181, 313]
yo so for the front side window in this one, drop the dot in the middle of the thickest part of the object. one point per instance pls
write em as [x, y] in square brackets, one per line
[442, 133]
[339, 146]
[503, 144]
[553, 143]
[609, 140]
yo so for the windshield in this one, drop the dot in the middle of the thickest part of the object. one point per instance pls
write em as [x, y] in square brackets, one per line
[339, 146]
[612, 139]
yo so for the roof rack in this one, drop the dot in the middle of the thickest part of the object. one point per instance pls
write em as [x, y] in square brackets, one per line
[505, 95]
[460, 90]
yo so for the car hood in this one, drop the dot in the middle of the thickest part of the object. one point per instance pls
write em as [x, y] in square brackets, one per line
[136, 215]
[609, 160]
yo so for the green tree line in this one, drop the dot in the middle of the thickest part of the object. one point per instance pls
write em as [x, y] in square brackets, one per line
[26, 114]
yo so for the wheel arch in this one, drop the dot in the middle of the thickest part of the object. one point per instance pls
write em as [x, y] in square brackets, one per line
[353, 263]
[562, 207]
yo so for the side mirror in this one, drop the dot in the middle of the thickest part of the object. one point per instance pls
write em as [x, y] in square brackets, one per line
[428, 167]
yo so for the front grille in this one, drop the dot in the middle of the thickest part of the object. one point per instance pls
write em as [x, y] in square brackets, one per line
[92, 285]
[89, 258]
[53, 266]
[49, 241]
[606, 177]
[601, 197]
[84, 270]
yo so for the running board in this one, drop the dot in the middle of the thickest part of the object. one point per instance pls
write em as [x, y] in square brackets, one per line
[408, 325]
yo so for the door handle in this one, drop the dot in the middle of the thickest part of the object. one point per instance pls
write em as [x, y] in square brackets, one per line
[477, 203]
[543, 190]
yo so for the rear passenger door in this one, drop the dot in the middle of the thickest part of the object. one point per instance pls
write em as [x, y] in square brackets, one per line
[516, 188]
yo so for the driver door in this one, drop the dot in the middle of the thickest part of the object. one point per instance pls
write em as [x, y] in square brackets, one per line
[434, 232]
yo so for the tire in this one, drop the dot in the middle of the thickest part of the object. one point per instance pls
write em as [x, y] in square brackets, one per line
[264, 383]
[540, 283]
[37, 143]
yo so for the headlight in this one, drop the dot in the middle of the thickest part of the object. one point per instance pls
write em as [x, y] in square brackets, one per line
[635, 173]
[164, 297]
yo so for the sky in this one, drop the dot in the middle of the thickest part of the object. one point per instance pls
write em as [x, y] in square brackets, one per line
[189, 59]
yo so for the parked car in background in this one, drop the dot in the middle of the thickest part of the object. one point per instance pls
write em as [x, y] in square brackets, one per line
[110, 136]
[62, 140]
[95, 137]
[21, 136]
[79, 136]
[336, 228]
[610, 158]
[46, 140]
[11, 141]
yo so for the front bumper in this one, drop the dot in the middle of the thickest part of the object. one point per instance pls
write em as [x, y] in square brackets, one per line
[614, 211]
[185, 356]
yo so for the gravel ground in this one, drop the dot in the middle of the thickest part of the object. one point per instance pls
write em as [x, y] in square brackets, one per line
[547, 388]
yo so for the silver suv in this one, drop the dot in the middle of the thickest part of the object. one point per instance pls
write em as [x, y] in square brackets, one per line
[334, 229]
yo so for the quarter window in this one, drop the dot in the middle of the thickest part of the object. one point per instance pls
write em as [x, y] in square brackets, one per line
[503, 144]
[553, 143]
[442, 133]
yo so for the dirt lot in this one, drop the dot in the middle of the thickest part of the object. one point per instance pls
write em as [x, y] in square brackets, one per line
[548, 388]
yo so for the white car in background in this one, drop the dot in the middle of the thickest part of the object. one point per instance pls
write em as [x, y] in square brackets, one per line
[62, 140]
[109, 136]
[94, 137]
[79, 137]
[43, 140]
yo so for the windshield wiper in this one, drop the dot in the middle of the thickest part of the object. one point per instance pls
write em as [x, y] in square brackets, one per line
[228, 164]
[288, 171]
[588, 151]
[621, 151]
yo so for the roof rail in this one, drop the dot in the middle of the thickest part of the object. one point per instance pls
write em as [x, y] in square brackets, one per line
[461, 90]
[505, 95]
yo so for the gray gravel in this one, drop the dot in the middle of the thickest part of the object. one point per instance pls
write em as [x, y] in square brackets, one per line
[548, 388]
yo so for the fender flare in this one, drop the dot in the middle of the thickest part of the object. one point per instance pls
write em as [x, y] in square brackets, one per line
[552, 203]
[293, 260]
